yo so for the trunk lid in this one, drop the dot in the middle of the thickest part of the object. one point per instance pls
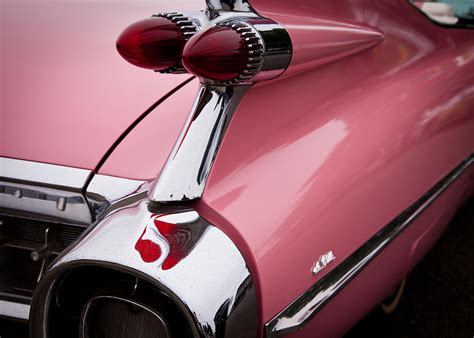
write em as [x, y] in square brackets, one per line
[67, 95]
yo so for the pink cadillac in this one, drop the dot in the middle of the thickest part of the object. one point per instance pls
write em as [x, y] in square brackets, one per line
[277, 168]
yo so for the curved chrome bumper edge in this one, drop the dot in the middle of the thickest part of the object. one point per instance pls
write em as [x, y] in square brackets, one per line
[196, 264]
[296, 315]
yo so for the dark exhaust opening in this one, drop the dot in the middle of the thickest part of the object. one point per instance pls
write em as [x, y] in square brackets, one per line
[100, 302]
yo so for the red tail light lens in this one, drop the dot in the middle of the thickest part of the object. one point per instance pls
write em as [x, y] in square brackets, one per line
[155, 43]
[219, 53]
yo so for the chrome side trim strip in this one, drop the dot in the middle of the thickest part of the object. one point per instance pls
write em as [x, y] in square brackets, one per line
[105, 191]
[47, 174]
[56, 191]
[307, 305]
[62, 205]
[113, 189]
[14, 310]
[44, 189]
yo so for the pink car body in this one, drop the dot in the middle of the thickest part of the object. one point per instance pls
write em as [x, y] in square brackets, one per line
[375, 110]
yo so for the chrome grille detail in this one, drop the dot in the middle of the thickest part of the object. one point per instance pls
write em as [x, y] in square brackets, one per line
[102, 314]
[27, 247]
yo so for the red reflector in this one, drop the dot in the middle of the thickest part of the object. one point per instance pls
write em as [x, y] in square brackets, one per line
[218, 54]
[148, 250]
[155, 43]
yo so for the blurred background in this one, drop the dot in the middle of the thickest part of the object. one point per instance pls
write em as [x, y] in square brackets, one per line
[448, 12]
[438, 300]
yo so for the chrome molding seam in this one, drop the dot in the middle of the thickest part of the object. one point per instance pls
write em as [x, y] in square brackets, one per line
[196, 264]
[306, 306]
[107, 192]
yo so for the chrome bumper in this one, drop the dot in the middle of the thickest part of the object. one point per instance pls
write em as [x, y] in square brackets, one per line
[197, 265]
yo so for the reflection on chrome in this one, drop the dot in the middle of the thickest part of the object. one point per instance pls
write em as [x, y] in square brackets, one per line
[190, 162]
[214, 6]
[107, 192]
[195, 261]
[44, 189]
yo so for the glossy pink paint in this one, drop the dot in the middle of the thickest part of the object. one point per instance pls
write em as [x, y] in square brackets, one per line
[312, 162]
[142, 154]
[382, 276]
[318, 41]
[66, 94]
[323, 160]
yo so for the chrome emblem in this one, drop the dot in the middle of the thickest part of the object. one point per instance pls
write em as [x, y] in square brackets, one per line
[323, 261]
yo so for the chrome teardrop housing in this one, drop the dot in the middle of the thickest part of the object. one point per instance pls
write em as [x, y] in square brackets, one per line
[189, 164]
[188, 270]
[264, 38]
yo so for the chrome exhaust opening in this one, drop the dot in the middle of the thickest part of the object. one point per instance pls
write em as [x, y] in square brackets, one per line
[101, 302]
[193, 276]
[109, 315]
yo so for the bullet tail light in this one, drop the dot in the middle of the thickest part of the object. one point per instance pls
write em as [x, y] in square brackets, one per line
[243, 50]
[157, 43]
[228, 51]
[238, 52]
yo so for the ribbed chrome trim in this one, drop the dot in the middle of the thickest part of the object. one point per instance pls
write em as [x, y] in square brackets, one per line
[254, 44]
[187, 27]
[185, 24]
[306, 306]
[14, 309]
